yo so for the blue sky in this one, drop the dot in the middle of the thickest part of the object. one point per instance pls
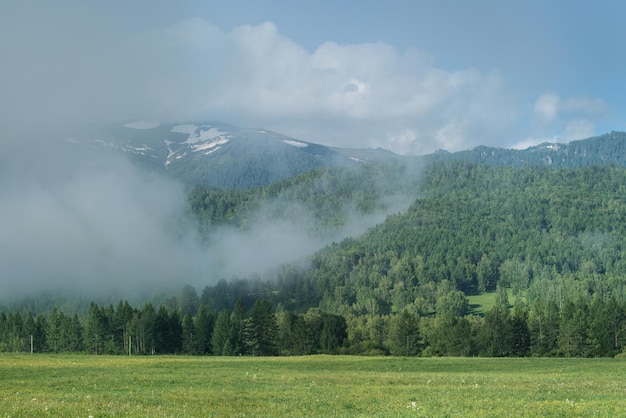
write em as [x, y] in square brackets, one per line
[410, 76]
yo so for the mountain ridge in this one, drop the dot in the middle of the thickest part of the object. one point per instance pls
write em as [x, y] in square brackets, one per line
[216, 154]
[606, 149]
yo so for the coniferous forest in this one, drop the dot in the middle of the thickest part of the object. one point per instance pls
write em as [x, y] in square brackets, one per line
[544, 246]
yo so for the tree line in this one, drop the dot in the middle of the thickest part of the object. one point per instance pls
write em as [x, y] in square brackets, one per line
[585, 327]
[327, 195]
[106, 329]
[554, 238]
[550, 233]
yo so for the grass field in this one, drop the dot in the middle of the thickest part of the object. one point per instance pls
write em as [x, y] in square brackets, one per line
[482, 303]
[324, 386]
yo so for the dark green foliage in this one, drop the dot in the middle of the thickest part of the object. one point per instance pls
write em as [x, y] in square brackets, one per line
[168, 332]
[326, 195]
[295, 336]
[96, 329]
[238, 323]
[548, 234]
[520, 331]
[574, 329]
[543, 326]
[404, 336]
[448, 335]
[579, 328]
[261, 330]
[615, 324]
[221, 341]
[551, 238]
[333, 333]
[204, 323]
[189, 301]
[607, 149]
[121, 325]
[143, 330]
[189, 344]
[496, 338]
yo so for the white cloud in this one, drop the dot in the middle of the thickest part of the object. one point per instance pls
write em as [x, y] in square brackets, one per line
[359, 95]
[567, 119]
[527, 143]
[345, 95]
[550, 105]
[547, 107]
[579, 129]
[322, 96]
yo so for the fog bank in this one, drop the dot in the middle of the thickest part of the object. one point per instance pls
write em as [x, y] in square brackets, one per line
[82, 221]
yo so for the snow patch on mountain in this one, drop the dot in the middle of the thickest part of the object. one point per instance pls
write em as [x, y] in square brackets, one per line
[198, 133]
[212, 151]
[295, 143]
[207, 145]
[143, 150]
[204, 138]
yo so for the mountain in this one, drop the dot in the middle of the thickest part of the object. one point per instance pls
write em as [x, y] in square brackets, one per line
[216, 154]
[369, 155]
[607, 149]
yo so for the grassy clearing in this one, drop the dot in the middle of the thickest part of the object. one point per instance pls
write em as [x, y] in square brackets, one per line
[480, 304]
[101, 386]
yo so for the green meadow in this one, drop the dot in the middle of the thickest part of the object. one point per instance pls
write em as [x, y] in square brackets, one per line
[323, 386]
[482, 303]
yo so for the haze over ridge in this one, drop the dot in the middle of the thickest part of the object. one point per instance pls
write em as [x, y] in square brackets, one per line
[426, 77]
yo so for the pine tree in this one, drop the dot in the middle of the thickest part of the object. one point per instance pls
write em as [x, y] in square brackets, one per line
[40, 340]
[496, 336]
[543, 326]
[261, 330]
[221, 338]
[333, 333]
[574, 328]
[175, 333]
[189, 301]
[404, 336]
[189, 336]
[53, 331]
[238, 323]
[204, 323]
[519, 329]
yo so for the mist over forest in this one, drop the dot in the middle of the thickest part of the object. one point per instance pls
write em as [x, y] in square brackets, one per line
[87, 222]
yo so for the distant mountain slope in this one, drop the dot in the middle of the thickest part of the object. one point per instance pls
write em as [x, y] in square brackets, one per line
[369, 154]
[216, 154]
[607, 149]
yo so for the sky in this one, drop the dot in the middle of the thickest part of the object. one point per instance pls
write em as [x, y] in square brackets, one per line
[408, 76]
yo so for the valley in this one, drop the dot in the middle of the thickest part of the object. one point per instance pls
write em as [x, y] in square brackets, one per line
[391, 250]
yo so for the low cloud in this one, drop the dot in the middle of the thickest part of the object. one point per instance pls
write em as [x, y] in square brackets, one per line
[93, 224]
[87, 222]
[567, 119]
[75, 67]
[284, 232]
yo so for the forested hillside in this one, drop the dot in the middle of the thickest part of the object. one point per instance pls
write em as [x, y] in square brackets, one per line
[555, 233]
[545, 245]
[607, 149]
[327, 196]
